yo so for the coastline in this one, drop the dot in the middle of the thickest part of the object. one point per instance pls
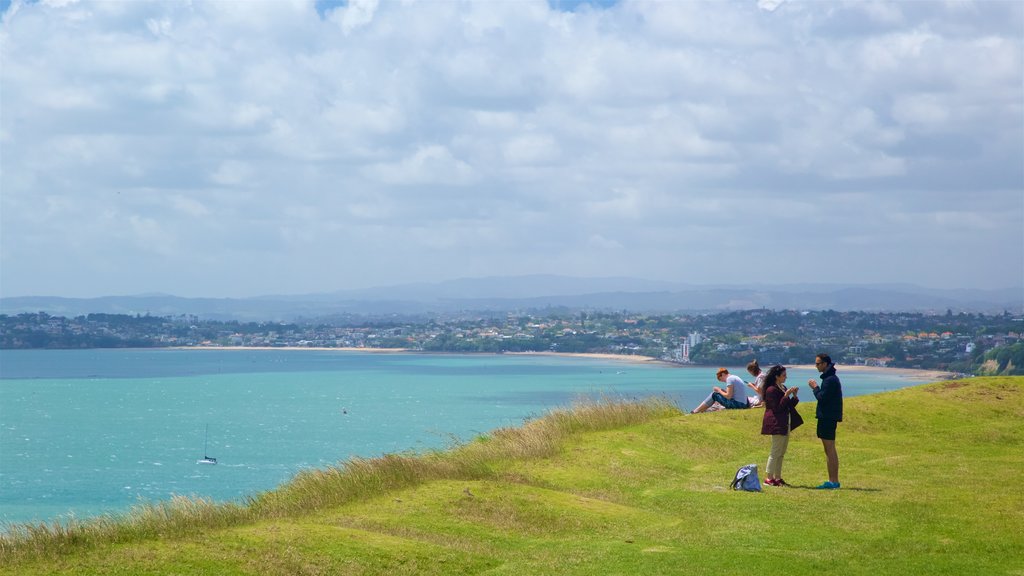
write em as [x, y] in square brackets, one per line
[300, 348]
[594, 355]
[916, 373]
[631, 358]
[932, 375]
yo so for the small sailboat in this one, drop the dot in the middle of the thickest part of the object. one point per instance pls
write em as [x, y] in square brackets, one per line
[206, 459]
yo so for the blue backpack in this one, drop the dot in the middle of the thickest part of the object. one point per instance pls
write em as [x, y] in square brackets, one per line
[746, 479]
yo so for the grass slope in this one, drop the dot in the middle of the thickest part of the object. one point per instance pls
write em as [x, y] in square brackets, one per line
[931, 479]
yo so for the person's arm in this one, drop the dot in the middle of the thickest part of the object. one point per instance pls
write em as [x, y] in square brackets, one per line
[789, 398]
[824, 391]
[815, 389]
[756, 390]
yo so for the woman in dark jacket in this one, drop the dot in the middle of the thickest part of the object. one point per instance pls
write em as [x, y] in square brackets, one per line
[780, 416]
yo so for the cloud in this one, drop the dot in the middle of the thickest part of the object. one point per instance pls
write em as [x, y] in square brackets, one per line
[347, 144]
[769, 5]
[357, 14]
[427, 165]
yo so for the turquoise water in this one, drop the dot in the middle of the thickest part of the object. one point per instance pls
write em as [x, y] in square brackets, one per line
[86, 432]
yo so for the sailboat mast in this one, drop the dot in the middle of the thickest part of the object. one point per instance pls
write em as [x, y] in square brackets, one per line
[206, 448]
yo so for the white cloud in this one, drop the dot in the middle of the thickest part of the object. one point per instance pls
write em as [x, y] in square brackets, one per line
[357, 14]
[769, 5]
[434, 140]
[249, 115]
[622, 204]
[69, 100]
[432, 164]
[232, 173]
[532, 149]
[923, 111]
[148, 234]
[600, 242]
[189, 206]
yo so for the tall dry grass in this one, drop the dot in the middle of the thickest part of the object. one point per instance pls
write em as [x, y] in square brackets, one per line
[179, 516]
[319, 489]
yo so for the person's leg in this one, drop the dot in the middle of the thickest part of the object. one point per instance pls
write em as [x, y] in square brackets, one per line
[827, 433]
[710, 400]
[774, 468]
[784, 445]
[831, 460]
[705, 404]
[729, 403]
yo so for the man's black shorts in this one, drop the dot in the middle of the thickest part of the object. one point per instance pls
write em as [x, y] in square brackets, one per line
[827, 429]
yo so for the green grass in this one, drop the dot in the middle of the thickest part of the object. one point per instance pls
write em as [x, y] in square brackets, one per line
[932, 484]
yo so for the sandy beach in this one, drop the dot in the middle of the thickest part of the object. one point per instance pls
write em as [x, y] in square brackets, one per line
[620, 357]
[311, 348]
[935, 375]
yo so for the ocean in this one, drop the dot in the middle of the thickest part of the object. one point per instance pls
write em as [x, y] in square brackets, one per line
[89, 432]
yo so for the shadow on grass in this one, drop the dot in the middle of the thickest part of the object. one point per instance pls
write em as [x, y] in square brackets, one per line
[843, 489]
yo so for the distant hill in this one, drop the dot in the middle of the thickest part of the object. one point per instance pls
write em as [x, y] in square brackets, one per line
[517, 293]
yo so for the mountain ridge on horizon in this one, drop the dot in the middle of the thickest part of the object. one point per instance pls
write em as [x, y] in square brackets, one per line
[491, 286]
[539, 291]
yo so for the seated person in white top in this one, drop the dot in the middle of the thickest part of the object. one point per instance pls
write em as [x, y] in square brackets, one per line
[757, 385]
[732, 396]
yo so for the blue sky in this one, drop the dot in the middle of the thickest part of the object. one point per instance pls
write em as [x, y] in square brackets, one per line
[245, 148]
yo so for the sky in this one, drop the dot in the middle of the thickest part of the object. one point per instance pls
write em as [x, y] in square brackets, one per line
[234, 149]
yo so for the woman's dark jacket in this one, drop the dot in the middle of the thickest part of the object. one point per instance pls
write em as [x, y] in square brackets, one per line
[779, 409]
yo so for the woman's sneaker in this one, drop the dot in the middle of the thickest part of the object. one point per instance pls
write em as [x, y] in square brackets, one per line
[771, 482]
[829, 486]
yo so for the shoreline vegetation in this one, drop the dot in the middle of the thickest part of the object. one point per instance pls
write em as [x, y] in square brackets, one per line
[958, 343]
[931, 375]
[608, 487]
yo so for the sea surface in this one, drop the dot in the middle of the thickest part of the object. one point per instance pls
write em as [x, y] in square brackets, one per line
[89, 432]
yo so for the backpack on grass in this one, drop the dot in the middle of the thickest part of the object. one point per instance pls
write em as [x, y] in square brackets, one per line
[746, 479]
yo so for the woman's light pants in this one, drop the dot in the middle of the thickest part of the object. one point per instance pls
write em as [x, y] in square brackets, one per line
[780, 442]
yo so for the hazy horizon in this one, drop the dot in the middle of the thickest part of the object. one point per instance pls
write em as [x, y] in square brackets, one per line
[788, 286]
[242, 149]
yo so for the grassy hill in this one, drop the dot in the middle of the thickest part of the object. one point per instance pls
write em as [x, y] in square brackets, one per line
[932, 484]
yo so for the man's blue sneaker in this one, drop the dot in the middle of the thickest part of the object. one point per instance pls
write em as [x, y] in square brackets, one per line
[828, 486]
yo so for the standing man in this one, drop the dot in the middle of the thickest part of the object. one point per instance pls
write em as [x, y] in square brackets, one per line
[829, 414]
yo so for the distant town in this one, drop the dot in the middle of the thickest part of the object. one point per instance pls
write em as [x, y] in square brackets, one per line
[962, 342]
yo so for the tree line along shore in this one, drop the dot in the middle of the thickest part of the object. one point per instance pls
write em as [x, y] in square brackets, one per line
[959, 343]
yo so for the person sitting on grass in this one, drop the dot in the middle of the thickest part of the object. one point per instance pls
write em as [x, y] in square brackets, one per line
[731, 397]
[757, 385]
